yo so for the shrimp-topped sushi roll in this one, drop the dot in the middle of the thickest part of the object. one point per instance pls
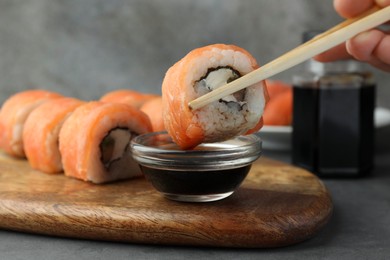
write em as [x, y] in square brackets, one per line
[153, 108]
[41, 131]
[199, 72]
[14, 114]
[127, 96]
[95, 141]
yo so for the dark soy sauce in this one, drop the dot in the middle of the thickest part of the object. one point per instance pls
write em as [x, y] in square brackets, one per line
[195, 182]
[333, 127]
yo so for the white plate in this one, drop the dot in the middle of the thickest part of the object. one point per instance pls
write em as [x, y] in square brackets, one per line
[278, 138]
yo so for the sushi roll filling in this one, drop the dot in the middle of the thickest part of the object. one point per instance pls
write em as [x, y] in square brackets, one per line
[115, 145]
[217, 77]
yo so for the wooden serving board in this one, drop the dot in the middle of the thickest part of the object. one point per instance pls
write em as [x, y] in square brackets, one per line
[277, 205]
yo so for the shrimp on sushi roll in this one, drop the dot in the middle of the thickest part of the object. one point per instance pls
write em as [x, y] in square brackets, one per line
[95, 141]
[199, 72]
[14, 114]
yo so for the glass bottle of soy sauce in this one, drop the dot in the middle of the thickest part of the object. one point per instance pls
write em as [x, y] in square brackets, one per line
[333, 118]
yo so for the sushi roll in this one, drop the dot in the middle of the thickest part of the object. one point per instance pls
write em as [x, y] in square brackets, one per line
[278, 110]
[277, 87]
[127, 96]
[153, 108]
[199, 72]
[41, 131]
[95, 141]
[13, 115]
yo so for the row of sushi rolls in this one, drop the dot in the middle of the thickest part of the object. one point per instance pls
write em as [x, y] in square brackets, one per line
[89, 140]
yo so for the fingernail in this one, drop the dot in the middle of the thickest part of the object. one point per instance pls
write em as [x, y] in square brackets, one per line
[383, 3]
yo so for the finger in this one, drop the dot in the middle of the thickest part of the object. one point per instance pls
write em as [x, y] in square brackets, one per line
[380, 65]
[351, 8]
[382, 51]
[371, 47]
[383, 3]
[363, 46]
[336, 53]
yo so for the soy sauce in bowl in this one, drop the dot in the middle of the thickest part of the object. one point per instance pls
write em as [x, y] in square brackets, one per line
[207, 173]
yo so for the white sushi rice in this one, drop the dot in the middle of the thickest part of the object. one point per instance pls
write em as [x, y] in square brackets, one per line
[221, 120]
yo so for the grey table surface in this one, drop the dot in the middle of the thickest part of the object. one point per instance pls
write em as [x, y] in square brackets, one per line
[359, 228]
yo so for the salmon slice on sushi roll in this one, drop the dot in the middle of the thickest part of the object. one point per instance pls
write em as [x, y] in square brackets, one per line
[127, 96]
[95, 141]
[199, 72]
[153, 108]
[41, 131]
[14, 114]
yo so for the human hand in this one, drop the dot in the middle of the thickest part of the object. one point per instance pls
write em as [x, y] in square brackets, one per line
[372, 46]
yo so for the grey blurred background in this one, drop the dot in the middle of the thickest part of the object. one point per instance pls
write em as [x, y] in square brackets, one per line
[87, 48]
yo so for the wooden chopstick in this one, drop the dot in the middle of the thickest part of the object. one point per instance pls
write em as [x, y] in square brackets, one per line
[325, 41]
[343, 24]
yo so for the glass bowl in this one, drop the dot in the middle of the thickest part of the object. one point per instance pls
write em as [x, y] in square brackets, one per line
[209, 172]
